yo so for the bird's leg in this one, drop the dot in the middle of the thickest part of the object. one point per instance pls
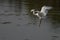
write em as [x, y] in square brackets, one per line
[40, 22]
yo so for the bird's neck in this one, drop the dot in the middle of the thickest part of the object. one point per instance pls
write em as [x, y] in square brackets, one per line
[33, 12]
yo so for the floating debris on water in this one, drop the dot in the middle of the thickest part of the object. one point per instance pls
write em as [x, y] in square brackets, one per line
[2, 14]
[6, 22]
[55, 36]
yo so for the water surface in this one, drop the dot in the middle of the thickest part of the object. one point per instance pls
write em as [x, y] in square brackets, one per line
[18, 23]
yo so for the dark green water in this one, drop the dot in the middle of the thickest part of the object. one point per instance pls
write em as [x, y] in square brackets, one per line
[18, 23]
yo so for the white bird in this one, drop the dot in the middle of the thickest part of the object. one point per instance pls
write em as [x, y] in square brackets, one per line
[41, 14]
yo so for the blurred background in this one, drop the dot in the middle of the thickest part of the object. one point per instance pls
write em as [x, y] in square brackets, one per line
[18, 23]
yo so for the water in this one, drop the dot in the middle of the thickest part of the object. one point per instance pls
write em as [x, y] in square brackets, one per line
[18, 23]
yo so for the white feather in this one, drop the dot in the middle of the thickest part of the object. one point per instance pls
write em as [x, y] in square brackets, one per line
[44, 11]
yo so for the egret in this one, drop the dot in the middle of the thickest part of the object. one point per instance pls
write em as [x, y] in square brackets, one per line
[41, 14]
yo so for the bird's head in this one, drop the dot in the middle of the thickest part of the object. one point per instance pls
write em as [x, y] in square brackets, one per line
[32, 10]
[35, 12]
